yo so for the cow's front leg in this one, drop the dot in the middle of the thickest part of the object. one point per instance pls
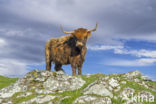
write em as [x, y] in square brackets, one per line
[73, 70]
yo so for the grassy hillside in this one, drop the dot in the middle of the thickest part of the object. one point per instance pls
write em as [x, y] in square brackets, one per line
[5, 81]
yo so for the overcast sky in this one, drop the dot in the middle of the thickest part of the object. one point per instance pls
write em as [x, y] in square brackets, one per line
[124, 41]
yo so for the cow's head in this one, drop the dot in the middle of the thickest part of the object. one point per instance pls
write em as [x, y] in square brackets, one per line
[81, 36]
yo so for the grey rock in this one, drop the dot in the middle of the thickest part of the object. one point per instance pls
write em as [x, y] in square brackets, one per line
[103, 86]
[43, 82]
[143, 84]
[46, 73]
[117, 89]
[12, 89]
[123, 82]
[106, 78]
[99, 89]
[61, 72]
[110, 88]
[93, 100]
[114, 83]
[136, 80]
[63, 83]
[43, 91]
[144, 77]
[153, 90]
[90, 85]
[24, 94]
[50, 102]
[126, 93]
[40, 99]
[132, 75]
[42, 79]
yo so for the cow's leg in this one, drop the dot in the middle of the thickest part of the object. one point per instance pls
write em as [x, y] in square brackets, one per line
[58, 67]
[48, 59]
[73, 69]
[79, 69]
[48, 65]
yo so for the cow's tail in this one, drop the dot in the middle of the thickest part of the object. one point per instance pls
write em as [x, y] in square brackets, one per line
[48, 57]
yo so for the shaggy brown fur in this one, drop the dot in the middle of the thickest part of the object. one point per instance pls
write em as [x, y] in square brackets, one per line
[69, 49]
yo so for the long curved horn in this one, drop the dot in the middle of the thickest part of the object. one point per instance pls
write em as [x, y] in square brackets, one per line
[94, 28]
[66, 31]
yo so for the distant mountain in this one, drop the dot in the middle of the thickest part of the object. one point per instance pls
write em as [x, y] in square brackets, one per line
[43, 87]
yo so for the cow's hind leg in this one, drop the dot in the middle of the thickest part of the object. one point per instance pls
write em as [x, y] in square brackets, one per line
[48, 58]
[79, 69]
[58, 67]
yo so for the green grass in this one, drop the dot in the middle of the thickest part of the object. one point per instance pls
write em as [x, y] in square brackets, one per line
[117, 101]
[5, 81]
[153, 83]
[22, 99]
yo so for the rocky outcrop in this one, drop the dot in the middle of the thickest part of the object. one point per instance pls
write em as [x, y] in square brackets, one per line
[51, 87]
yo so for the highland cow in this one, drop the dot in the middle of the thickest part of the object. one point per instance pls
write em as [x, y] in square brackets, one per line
[69, 49]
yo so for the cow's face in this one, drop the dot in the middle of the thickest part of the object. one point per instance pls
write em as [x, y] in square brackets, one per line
[81, 36]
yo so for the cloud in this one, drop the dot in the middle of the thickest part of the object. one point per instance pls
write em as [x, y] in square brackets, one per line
[117, 19]
[138, 62]
[138, 53]
[122, 50]
[146, 57]
[12, 68]
[22, 45]
[103, 47]
[2, 42]
[25, 25]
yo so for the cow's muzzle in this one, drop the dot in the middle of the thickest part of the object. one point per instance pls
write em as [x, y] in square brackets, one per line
[79, 45]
